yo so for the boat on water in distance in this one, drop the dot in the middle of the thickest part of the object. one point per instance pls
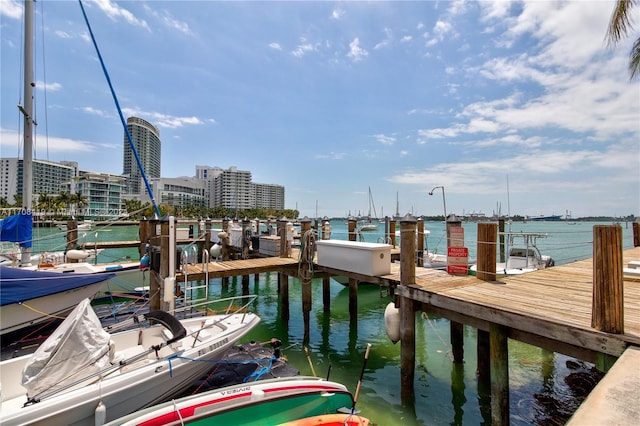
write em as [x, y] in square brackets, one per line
[552, 218]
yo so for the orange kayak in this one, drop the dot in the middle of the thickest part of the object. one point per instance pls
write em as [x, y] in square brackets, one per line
[330, 420]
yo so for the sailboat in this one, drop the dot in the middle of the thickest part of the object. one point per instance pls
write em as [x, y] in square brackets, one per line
[366, 223]
[31, 297]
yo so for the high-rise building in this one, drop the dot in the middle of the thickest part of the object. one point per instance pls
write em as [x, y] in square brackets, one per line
[48, 177]
[146, 139]
[233, 189]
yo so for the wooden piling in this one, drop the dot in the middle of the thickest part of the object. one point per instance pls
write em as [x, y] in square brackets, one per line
[407, 308]
[72, 237]
[501, 239]
[499, 366]
[144, 233]
[392, 232]
[351, 228]
[636, 233]
[486, 251]
[608, 299]
[420, 243]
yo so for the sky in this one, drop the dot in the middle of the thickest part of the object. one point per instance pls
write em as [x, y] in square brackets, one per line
[519, 107]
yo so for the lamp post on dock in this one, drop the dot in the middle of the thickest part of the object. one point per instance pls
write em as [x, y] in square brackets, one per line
[444, 201]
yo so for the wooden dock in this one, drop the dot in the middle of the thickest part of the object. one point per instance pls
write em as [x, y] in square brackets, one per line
[550, 308]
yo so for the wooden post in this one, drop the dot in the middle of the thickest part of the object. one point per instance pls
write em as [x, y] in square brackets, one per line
[326, 294]
[351, 227]
[305, 272]
[72, 237]
[284, 295]
[499, 374]
[392, 232]
[483, 356]
[501, 239]
[246, 237]
[282, 232]
[420, 243]
[456, 329]
[608, 299]
[486, 252]
[144, 235]
[456, 337]
[636, 233]
[407, 308]
[207, 235]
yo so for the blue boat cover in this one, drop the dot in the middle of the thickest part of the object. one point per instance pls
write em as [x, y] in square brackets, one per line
[17, 229]
[18, 285]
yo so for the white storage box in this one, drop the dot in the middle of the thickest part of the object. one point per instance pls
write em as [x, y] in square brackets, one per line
[269, 245]
[370, 259]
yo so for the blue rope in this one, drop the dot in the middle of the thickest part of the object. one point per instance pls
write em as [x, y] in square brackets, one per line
[124, 124]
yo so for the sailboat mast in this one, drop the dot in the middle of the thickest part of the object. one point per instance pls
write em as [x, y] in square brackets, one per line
[27, 111]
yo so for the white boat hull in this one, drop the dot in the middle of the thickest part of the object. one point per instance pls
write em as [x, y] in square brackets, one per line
[130, 387]
[31, 312]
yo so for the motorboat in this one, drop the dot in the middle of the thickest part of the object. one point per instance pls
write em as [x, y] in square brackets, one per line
[84, 374]
[30, 297]
[297, 400]
[522, 257]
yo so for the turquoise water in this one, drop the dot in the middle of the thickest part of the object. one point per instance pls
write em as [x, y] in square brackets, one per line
[444, 393]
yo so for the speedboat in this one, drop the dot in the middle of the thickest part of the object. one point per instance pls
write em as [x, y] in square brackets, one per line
[86, 375]
[296, 400]
[521, 258]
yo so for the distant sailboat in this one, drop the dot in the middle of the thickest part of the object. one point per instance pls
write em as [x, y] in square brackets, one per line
[366, 223]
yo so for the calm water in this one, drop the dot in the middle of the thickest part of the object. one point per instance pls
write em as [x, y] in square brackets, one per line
[444, 393]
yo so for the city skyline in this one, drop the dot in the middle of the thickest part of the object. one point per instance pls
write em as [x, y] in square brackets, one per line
[330, 99]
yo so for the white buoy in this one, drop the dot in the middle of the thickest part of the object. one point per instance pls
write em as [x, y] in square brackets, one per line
[392, 322]
[77, 254]
[215, 251]
[101, 414]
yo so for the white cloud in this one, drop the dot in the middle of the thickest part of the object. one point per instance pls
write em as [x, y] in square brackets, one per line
[356, 53]
[115, 12]
[275, 46]
[11, 9]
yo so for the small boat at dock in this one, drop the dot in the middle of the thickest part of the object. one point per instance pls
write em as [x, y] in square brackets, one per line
[297, 400]
[86, 375]
[30, 297]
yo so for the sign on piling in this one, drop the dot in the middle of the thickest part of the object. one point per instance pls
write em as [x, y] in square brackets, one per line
[457, 260]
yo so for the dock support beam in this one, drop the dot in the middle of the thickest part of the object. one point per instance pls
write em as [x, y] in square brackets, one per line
[607, 312]
[407, 309]
[486, 251]
[499, 375]
[72, 237]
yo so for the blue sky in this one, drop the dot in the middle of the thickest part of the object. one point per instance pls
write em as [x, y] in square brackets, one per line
[329, 99]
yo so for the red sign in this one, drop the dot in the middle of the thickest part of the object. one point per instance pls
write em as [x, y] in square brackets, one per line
[457, 260]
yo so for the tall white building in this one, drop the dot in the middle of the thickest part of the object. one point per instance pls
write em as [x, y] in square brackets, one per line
[233, 189]
[177, 192]
[48, 177]
[102, 191]
[146, 139]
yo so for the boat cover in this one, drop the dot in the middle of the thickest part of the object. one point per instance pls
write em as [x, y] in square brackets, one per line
[78, 345]
[17, 229]
[19, 285]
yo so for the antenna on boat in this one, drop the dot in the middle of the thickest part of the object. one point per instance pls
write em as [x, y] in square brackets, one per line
[124, 123]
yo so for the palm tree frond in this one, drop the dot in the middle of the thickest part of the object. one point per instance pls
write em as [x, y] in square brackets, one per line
[634, 61]
[620, 21]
